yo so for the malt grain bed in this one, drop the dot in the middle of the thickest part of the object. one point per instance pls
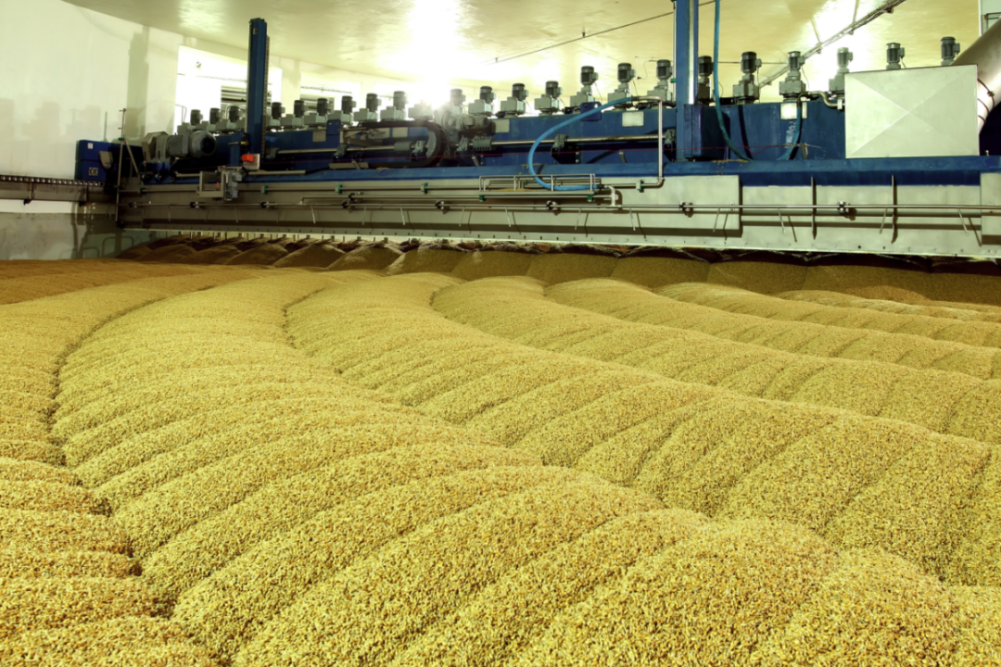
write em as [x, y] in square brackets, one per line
[559, 264]
[692, 446]
[730, 299]
[516, 308]
[945, 309]
[281, 638]
[642, 305]
[436, 539]
[63, 572]
[26, 283]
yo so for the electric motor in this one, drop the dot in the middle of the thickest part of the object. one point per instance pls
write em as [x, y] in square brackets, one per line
[950, 49]
[202, 145]
[894, 54]
[705, 66]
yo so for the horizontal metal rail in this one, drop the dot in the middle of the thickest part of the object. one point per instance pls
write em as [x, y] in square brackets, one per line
[501, 143]
[355, 203]
[29, 189]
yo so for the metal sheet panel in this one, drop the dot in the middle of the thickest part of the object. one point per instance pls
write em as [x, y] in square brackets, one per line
[780, 197]
[933, 219]
[928, 112]
[720, 191]
[990, 195]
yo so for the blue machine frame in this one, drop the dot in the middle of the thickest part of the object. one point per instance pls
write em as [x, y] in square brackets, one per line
[616, 149]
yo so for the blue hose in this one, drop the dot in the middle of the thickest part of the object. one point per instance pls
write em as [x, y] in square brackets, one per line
[542, 137]
[719, 110]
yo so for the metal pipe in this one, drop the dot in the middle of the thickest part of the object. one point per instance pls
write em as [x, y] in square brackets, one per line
[579, 140]
[758, 212]
[538, 193]
[826, 99]
[986, 55]
[118, 187]
[876, 211]
[932, 210]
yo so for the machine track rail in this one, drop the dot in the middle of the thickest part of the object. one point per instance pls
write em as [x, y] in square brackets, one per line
[30, 188]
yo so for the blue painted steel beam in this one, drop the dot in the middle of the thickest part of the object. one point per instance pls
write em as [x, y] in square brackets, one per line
[257, 85]
[965, 171]
[686, 50]
[686, 58]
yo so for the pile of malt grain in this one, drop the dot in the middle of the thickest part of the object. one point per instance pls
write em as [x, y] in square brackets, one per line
[375, 257]
[426, 260]
[318, 255]
[678, 441]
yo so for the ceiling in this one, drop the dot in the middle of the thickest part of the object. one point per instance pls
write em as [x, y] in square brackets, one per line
[477, 42]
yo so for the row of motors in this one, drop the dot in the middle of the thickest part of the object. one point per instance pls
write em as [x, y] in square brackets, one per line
[745, 92]
[195, 139]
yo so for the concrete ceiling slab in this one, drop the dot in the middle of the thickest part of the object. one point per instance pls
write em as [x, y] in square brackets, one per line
[499, 43]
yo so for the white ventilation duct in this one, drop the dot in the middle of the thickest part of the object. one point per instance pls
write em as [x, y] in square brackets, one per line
[986, 55]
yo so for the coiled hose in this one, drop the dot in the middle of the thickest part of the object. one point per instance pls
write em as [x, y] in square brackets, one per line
[550, 131]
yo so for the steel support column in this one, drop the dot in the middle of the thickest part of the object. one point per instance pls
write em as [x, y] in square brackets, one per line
[257, 85]
[686, 58]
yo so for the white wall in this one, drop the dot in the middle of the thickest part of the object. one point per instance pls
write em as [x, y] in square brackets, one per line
[65, 75]
[988, 7]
